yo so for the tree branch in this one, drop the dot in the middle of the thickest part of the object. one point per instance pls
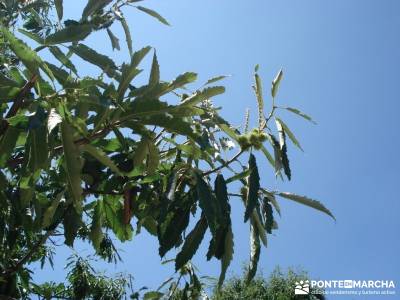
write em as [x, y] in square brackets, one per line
[225, 164]
[18, 103]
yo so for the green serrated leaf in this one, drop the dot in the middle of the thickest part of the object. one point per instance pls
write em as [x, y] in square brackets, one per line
[260, 101]
[93, 6]
[215, 79]
[7, 144]
[253, 188]
[98, 154]
[131, 71]
[153, 14]
[155, 71]
[59, 8]
[50, 211]
[307, 201]
[239, 176]
[227, 256]
[69, 34]
[192, 243]
[128, 36]
[255, 250]
[207, 203]
[153, 159]
[103, 62]
[72, 221]
[283, 150]
[28, 57]
[276, 82]
[289, 133]
[114, 40]
[199, 96]
[96, 234]
[61, 57]
[38, 39]
[301, 114]
[141, 152]
[72, 165]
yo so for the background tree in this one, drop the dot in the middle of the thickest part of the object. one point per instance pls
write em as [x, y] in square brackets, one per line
[278, 286]
[93, 158]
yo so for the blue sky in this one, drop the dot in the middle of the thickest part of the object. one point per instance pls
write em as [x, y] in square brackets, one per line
[340, 60]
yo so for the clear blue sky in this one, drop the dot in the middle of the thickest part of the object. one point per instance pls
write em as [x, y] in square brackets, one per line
[341, 61]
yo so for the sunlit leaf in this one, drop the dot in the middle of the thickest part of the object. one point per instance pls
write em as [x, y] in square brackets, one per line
[289, 133]
[72, 33]
[253, 187]
[153, 14]
[307, 201]
[301, 114]
[275, 83]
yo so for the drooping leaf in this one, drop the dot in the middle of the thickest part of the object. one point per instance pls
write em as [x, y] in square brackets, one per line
[307, 201]
[141, 151]
[254, 253]
[72, 221]
[256, 221]
[268, 215]
[277, 153]
[37, 145]
[301, 114]
[289, 133]
[7, 144]
[113, 212]
[276, 82]
[101, 157]
[96, 234]
[153, 159]
[227, 256]
[69, 34]
[283, 150]
[169, 232]
[128, 36]
[153, 14]
[207, 203]
[253, 187]
[155, 71]
[72, 165]
[192, 243]
[59, 8]
[93, 6]
[114, 40]
[217, 245]
[268, 155]
[50, 211]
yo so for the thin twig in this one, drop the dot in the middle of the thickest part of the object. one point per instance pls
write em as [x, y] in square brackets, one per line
[225, 164]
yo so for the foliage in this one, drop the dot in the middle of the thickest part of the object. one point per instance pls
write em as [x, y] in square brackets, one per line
[97, 157]
[279, 286]
[84, 282]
